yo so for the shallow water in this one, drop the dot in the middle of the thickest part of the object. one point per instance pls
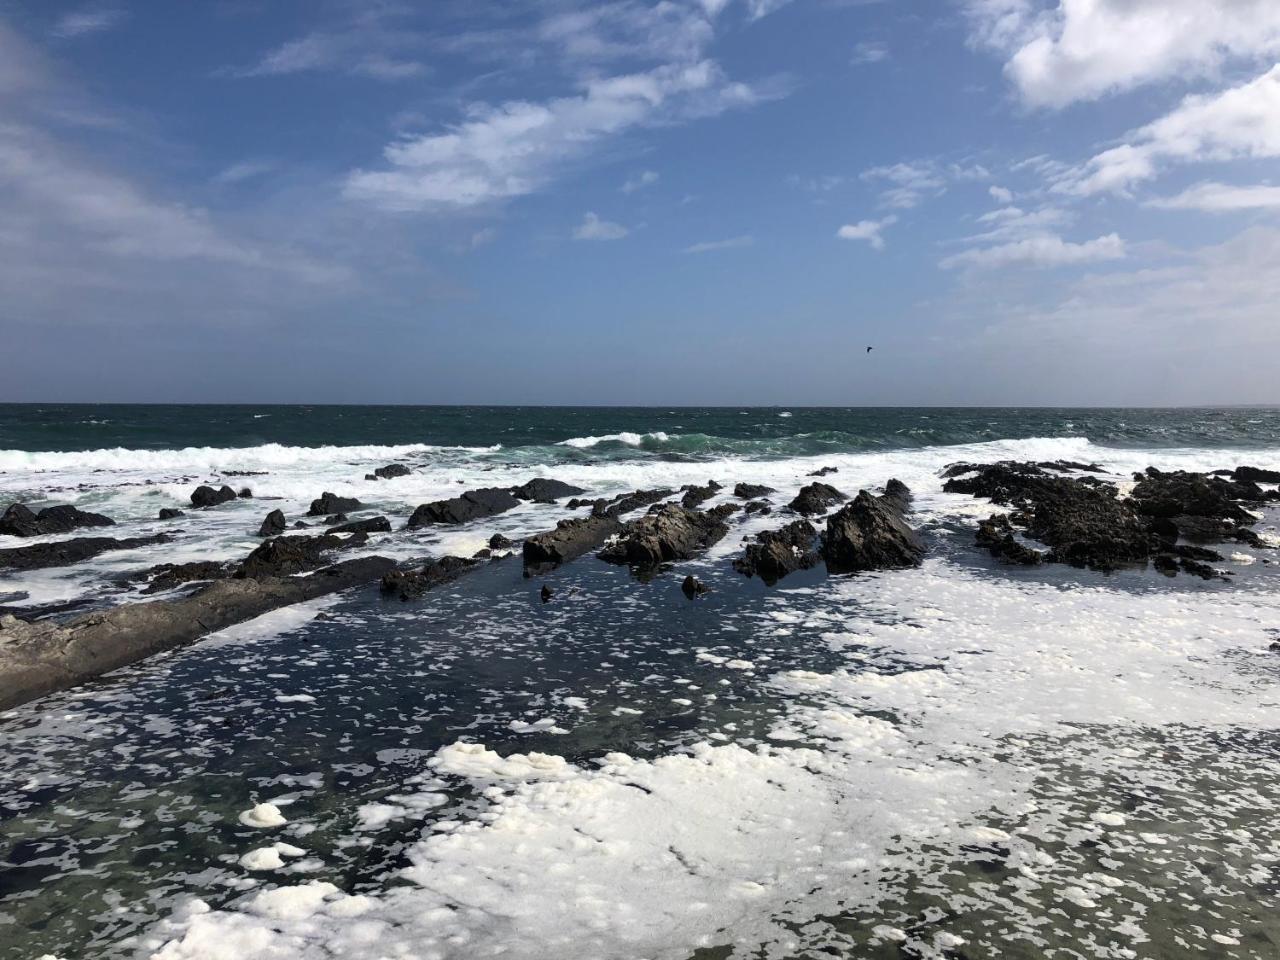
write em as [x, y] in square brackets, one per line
[962, 760]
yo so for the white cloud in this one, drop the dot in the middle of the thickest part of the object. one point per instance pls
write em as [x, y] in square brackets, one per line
[79, 23]
[708, 246]
[518, 147]
[756, 9]
[1241, 122]
[911, 182]
[868, 230]
[245, 170]
[1014, 223]
[593, 228]
[645, 178]
[1221, 198]
[1000, 194]
[870, 52]
[1069, 50]
[1044, 250]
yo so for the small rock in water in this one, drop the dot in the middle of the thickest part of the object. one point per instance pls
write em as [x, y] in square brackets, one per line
[273, 525]
[245, 493]
[693, 587]
[823, 471]
[205, 496]
[170, 513]
[547, 593]
[499, 542]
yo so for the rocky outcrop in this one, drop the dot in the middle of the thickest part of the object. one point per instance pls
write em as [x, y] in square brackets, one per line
[170, 513]
[21, 521]
[752, 491]
[391, 471]
[41, 657]
[823, 472]
[166, 576]
[410, 584]
[695, 495]
[545, 490]
[499, 542]
[472, 505]
[998, 536]
[1255, 475]
[328, 503]
[623, 503]
[776, 553]
[368, 525]
[282, 556]
[273, 524]
[761, 507]
[871, 534]
[64, 552]
[204, 497]
[816, 498]
[568, 541]
[669, 533]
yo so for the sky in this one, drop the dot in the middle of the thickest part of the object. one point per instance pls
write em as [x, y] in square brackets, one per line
[1015, 202]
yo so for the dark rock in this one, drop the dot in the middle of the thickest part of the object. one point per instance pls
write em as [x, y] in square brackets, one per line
[776, 553]
[273, 525]
[816, 498]
[545, 490]
[472, 505]
[170, 513]
[410, 584]
[695, 495]
[546, 593]
[20, 521]
[499, 542]
[391, 471]
[484, 553]
[370, 476]
[203, 497]
[336, 520]
[1165, 564]
[871, 534]
[670, 533]
[42, 657]
[823, 472]
[1180, 494]
[64, 552]
[758, 506]
[245, 493]
[281, 556]
[693, 587]
[1255, 475]
[568, 541]
[996, 535]
[331, 503]
[299, 525]
[368, 525]
[1196, 568]
[628, 502]
[166, 576]
[752, 491]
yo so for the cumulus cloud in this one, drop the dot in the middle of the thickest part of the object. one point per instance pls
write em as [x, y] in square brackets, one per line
[1064, 51]
[868, 230]
[517, 147]
[1241, 122]
[1221, 198]
[645, 178]
[1044, 250]
[709, 246]
[593, 228]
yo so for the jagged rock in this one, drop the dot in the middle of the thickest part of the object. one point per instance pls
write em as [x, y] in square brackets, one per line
[1181, 494]
[410, 584]
[871, 534]
[758, 506]
[693, 587]
[170, 513]
[20, 521]
[64, 552]
[996, 535]
[823, 472]
[545, 490]
[670, 533]
[499, 542]
[166, 576]
[472, 505]
[816, 498]
[695, 495]
[368, 525]
[752, 491]
[41, 657]
[776, 553]
[568, 541]
[1255, 475]
[203, 496]
[281, 556]
[391, 471]
[329, 503]
[628, 502]
[273, 525]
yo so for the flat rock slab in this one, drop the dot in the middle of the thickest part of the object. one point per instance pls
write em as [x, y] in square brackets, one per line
[65, 552]
[568, 541]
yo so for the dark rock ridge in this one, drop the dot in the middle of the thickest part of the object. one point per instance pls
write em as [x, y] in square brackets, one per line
[816, 498]
[166, 576]
[695, 495]
[823, 472]
[204, 497]
[329, 503]
[410, 584]
[64, 552]
[472, 505]
[545, 490]
[21, 521]
[170, 513]
[273, 524]
[776, 553]
[669, 533]
[871, 534]
[368, 525]
[391, 471]
[1255, 475]
[281, 556]
[568, 541]
[752, 491]
[623, 503]
[39, 658]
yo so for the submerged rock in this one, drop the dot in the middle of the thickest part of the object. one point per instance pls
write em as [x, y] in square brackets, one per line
[328, 503]
[166, 576]
[776, 553]
[669, 533]
[472, 505]
[273, 524]
[751, 491]
[823, 472]
[170, 513]
[65, 552]
[368, 525]
[568, 541]
[997, 535]
[695, 495]
[816, 498]
[411, 584]
[545, 490]
[205, 496]
[391, 471]
[499, 542]
[281, 556]
[20, 521]
[871, 534]
[693, 587]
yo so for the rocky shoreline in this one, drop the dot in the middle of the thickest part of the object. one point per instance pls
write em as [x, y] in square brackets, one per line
[1043, 513]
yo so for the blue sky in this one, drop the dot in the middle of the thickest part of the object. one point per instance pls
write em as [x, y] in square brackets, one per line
[689, 201]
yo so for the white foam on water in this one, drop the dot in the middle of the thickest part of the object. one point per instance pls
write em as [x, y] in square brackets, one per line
[630, 439]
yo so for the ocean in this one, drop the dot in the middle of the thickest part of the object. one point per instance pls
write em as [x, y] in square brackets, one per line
[960, 760]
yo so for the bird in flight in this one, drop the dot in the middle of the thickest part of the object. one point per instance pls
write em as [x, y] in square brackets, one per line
[868, 349]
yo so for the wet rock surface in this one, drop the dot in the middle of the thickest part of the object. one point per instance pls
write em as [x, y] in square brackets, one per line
[273, 524]
[695, 495]
[569, 540]
[64, 552]
[472, 505]
[751, 491]
[21, 521]
[367, 525]
[776, 553]
[669, 533]
[391, 471]
[816, 498]
[166, 576]
[204, 496]
[870, 533]
[282, 556]
[328, 503]
[545, 490]
[411, 584]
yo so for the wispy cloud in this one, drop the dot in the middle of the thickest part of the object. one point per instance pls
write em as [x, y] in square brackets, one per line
[245, 170]
[1221, 198]
[910, 183]
[1000, 194]
[87, 20]
[869, 52]
[593, 228]
[646, 178]
[709, 246]
[868, 230]
[1044, 250]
